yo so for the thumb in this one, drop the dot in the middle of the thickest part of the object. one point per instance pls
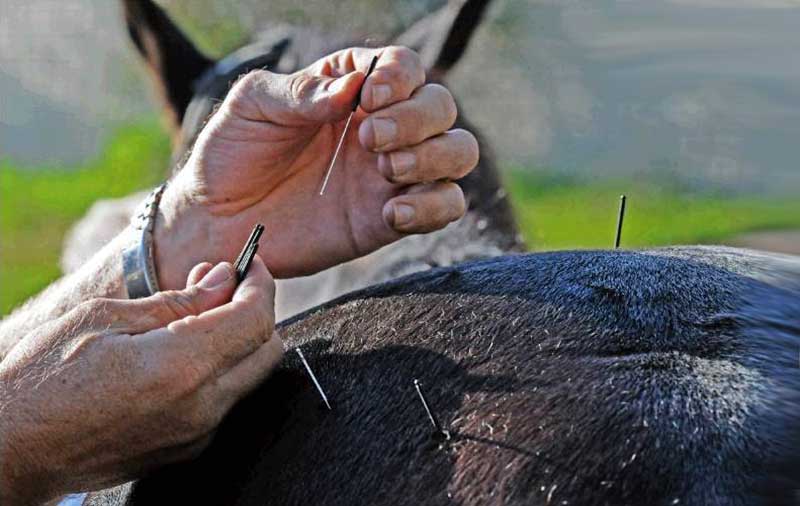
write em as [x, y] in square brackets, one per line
[298, 99]
[214, 289]
[330, 98]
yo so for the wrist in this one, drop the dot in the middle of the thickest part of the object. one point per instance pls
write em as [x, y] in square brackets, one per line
[181, 237]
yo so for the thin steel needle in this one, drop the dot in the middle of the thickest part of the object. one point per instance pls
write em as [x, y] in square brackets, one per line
[434, 421]
[347, 126]
[620, 219]
[336, 153]
[313, 378]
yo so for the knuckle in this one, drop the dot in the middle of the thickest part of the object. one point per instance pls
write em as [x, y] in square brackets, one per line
[413, 126]
[256, 325]
[406, 56]
[453, 205]
[85, 342]
[242, 94]
[410, 69]
[441, 207]
[449, 109]
[249, 82]
[470, 151]
[261, 322]
[301, 86]
[94, 313]
[427, 161]
[174, 304]
[439, 104]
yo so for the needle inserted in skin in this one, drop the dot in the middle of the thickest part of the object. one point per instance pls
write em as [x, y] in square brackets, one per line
[313, 378]
[441, 431]
[620, 218]
[347, 127]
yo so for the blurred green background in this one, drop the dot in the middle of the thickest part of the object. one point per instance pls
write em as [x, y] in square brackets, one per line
[561, 202]
[37, 206]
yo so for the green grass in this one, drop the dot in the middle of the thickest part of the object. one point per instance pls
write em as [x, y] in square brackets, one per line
[39, 204]
[561, 215]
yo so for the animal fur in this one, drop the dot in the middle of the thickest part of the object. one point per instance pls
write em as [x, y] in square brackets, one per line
[629, 377]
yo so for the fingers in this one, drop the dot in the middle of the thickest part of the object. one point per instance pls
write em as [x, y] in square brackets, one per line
[325, 92]
[221, 337]
[197, 273]
[451, 155]
[430, 111]
[294, 100]
[425, 208]
[214, 288]
[250, 372]
[200, 365]
[398, 73]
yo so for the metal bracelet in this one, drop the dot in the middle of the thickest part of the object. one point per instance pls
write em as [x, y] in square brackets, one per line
[138, 264]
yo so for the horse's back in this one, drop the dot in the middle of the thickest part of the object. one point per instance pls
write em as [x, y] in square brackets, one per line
[661, 377]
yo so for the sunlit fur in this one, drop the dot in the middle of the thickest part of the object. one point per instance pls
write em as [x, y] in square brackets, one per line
[644, 377]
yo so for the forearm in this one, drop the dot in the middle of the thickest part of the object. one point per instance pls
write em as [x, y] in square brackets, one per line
[99, 277]
[180, 228]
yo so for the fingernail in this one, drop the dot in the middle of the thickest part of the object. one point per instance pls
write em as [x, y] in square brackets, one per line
[221, 273]
[402, 162]
[403, 214]
[384, 130]
[381, 93]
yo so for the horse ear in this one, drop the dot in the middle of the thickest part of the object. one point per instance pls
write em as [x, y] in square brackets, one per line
[174, 62]
[442, 38]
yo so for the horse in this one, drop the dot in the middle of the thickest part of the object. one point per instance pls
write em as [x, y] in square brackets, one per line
[653, 377]
[190, 85]
[665, 376]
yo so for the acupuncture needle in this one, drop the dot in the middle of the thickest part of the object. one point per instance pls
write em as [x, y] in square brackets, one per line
[347, 126]
[242, 265]
[620, 218]
[313, 378]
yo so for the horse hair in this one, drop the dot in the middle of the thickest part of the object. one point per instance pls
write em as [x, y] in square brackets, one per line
[666, 376]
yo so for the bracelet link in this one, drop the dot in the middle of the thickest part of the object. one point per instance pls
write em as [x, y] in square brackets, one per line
[138, 263]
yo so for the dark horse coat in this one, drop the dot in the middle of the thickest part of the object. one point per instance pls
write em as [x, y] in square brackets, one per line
[651, 377]
[641, 377]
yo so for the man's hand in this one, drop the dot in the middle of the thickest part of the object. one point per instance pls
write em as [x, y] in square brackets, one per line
[263, 156]
[116, 387]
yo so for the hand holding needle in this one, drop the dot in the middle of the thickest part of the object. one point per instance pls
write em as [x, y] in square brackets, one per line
[347, 126]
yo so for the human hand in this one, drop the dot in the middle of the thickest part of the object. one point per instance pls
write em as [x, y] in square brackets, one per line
[115, 388]
[264, 153]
